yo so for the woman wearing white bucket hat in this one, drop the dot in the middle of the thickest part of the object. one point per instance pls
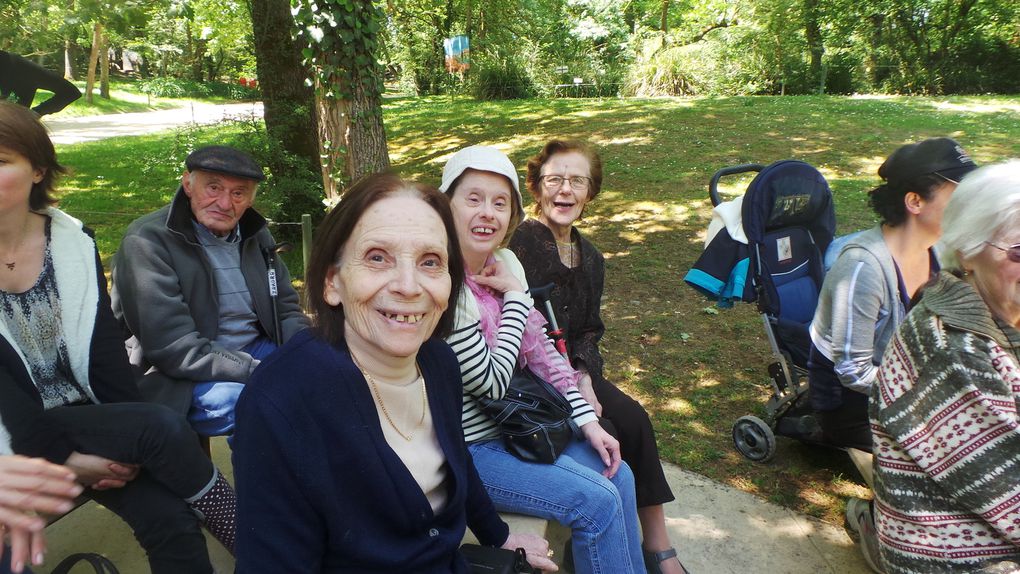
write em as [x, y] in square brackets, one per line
[588, 488]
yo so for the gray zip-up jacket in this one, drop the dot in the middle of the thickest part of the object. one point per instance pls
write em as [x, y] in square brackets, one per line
[164, 294]
[859, 310]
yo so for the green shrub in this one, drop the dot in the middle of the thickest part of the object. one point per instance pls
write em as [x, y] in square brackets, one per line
[663, 73]
[502, 78]
[841, 75]
[729, 61]
[180, 88]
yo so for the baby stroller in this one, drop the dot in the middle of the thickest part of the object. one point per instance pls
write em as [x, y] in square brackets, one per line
[770, 253]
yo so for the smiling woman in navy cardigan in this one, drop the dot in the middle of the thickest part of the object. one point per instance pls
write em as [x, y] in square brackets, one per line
[349, 453]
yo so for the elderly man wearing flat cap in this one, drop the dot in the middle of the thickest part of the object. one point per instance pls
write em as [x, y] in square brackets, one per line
[191, 285]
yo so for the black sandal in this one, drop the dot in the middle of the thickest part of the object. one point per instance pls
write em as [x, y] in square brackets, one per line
[653, 559]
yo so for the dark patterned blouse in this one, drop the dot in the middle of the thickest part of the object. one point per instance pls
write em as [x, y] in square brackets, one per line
[34, 321]
[577, 297]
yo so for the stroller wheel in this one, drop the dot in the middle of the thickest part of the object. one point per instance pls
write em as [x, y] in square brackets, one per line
[754, 439]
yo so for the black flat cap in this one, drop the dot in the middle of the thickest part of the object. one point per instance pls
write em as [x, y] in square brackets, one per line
[942, 156]
[224, 159]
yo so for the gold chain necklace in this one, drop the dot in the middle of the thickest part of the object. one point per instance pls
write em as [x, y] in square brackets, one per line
[385, 411]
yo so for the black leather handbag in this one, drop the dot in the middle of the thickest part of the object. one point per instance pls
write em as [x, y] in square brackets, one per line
[533, 417]
[489, 560]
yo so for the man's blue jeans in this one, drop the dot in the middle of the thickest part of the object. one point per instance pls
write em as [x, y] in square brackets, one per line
[212, 402]
[601, 512]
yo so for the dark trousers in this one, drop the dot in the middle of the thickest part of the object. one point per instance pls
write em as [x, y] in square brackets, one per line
[634, 430]
[173, 468]
[848, 425]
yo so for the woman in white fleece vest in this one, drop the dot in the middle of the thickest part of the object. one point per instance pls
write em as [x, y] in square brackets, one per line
[67, 392]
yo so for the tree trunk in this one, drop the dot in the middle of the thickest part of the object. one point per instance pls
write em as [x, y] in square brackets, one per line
[348, 88]
[289, 104]
[366, 139]
[664, 23]
[332, 124]
[70, 47]
[197, 64]
[195, 53]
[352, 140]
[69, 55]
[97, 40]
[104, 68]
[813, 35]
[874, 62]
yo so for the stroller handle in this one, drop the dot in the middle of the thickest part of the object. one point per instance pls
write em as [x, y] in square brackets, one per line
[555, 333]
[542, 292]
[713, 185]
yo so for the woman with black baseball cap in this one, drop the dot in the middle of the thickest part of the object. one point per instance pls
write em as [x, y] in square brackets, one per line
[870, 288]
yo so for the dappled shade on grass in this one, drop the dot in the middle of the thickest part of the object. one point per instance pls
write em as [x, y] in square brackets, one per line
[695, 368]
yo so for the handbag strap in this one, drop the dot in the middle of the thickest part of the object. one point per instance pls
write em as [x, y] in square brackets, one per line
[101, 564]
[521, 562]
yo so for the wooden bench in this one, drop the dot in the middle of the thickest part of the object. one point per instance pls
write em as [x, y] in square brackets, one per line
[554, 532]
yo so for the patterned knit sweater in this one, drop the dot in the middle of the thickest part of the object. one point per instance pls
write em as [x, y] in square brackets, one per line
[947, 443]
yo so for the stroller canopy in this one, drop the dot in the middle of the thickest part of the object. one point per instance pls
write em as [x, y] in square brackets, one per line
[785, 194]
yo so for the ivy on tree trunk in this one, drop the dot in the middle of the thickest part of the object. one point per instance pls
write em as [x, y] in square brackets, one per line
[342, 39]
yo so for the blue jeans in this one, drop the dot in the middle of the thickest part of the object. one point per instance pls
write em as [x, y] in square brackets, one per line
[601, 512]
[212, 402]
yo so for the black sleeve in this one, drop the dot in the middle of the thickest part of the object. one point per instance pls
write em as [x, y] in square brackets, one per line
[278, 526]
[586, 331]
[35, 77]
[110, 374]
[32, 432]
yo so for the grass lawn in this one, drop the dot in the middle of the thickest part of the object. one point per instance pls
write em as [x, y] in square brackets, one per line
[696, 369]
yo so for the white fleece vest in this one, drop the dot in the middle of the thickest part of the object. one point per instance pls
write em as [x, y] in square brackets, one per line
[74, 268]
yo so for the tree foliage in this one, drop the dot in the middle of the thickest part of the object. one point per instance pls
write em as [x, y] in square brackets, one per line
[715, 46]
[640, 46]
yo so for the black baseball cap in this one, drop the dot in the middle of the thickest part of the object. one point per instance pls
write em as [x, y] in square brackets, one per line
[938, 156]
[225, 159]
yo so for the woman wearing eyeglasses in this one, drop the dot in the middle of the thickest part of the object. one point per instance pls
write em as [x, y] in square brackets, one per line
[945, 404]
[869, 291]
[562, 178]
[497, 329]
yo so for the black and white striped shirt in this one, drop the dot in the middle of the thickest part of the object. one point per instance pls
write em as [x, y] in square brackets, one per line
[486, 372]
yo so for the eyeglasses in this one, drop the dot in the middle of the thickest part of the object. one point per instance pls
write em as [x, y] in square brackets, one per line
[577, 182]
[952, 181]
[1012, 251]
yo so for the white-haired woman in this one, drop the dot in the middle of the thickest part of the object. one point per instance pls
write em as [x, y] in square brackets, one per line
[944, 411]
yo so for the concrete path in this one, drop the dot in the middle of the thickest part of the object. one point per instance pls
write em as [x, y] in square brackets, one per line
[92, 128]
[717, 529]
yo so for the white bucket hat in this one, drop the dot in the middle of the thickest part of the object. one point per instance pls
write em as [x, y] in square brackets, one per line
[482, 158]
